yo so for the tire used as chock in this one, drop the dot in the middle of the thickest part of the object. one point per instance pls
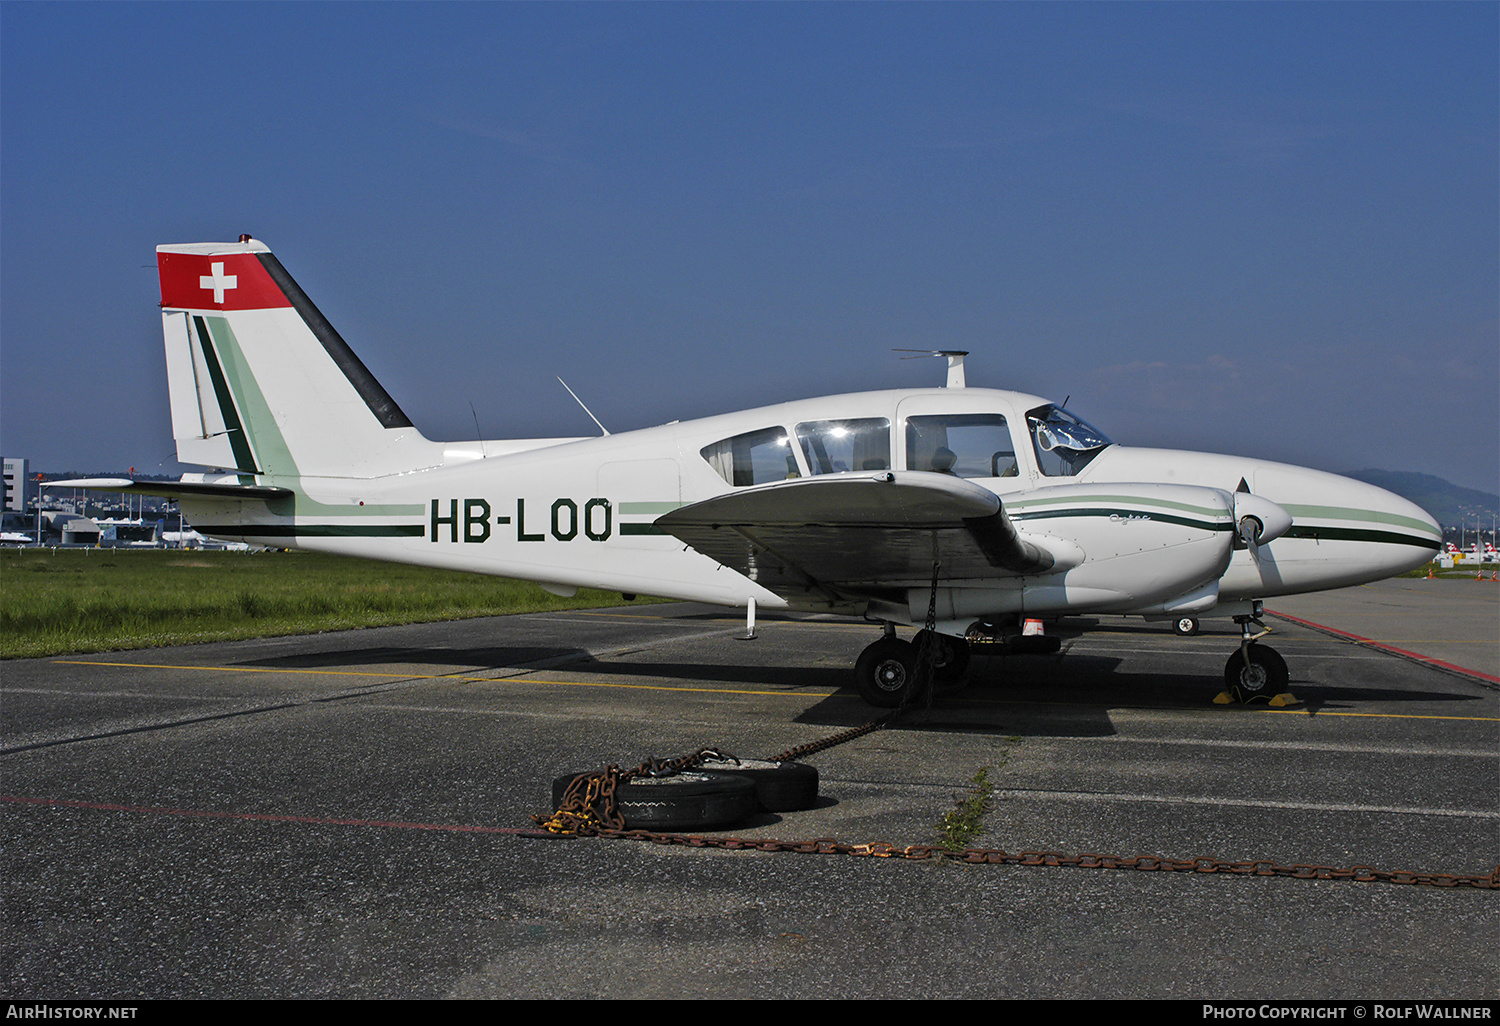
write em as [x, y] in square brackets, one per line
[779, 786]
[692, 800]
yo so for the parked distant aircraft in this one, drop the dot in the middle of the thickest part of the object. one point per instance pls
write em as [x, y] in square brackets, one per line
[963, 511]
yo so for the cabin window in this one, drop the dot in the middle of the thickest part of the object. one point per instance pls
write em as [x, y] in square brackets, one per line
[835, 446]
[756, 457]
[962, 444]
[1064, 444]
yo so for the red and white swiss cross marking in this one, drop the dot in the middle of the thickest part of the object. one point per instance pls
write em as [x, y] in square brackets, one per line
[218, 281]
[231, 281]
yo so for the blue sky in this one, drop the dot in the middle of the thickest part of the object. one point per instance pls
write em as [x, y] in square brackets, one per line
[1268, 229]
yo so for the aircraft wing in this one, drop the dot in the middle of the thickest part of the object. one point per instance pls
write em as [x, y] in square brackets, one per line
[843, 534]
[174, 489]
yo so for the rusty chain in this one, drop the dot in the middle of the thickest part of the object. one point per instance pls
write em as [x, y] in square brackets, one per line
[589, 805]
[589, 809]
[1148, 863]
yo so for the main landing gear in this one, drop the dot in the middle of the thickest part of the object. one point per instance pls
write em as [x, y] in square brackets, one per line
[1255, 671]
[892, 672]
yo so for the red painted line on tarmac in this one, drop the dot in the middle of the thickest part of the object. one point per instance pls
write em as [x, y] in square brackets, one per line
[1415, 656]
[262, 817]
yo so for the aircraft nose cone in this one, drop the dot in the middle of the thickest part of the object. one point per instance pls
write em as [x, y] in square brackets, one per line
[1380, 533]
[1401, 535]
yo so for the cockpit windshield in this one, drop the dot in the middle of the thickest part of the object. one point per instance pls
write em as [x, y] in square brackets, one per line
[1064, 444]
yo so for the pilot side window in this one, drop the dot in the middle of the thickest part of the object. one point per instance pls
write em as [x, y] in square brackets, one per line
[961, 444]
[756, 457]
[834, 446]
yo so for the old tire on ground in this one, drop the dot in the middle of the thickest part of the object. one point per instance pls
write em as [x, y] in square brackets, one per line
[779, 786]
[692, 800]
[1265, 676]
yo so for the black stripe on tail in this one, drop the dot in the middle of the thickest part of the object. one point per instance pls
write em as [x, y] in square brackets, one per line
[376, 398]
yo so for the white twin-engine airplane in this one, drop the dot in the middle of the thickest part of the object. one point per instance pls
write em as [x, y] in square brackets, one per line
[962, 511]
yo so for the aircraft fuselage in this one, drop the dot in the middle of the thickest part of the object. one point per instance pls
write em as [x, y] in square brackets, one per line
[1144, 530]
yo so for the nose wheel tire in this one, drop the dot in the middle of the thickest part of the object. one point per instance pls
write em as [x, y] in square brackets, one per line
[1185, 626]
[1256, 672]
[886, 671]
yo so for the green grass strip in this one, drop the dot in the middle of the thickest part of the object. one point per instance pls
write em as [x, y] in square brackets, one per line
[108, 600]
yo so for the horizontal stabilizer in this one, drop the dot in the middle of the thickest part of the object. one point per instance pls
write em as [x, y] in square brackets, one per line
[173, 489]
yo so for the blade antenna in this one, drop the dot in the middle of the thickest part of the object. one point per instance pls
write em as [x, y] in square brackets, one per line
[955, 359]
[477, 433]
[585, 408]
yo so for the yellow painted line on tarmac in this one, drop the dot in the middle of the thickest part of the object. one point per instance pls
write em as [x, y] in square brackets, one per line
[265, 669]
[669, 687]
[453, 677]
[1320, 713]
[522, 678]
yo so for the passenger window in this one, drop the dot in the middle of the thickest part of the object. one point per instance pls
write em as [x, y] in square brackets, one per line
[961, 444]
[835, 446]
[756, 457]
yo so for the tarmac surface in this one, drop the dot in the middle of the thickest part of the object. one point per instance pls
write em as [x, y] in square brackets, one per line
[346, 815]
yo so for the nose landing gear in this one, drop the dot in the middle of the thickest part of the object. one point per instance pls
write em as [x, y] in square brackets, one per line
[1255, 671]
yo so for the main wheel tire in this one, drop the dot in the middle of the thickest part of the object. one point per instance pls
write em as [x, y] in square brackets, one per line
[950, 656]
[779, 786]
[1186, 626]
[886, 672]
[1265, 676]
[692, 800]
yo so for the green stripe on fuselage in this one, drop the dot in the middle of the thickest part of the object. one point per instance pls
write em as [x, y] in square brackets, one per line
[1370, 516]
[1362, 535]
[1136, 500]
[648, 508]
[315, 530]
[1125, 513]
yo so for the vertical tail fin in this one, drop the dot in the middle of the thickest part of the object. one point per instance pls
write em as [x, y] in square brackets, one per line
[260, 382]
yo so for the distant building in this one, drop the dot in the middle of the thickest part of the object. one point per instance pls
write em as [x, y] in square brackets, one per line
[15, 484]
[71, 529]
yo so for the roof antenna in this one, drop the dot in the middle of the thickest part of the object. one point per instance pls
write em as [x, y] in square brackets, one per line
[478, 434]
[585, 408]
[955, 362]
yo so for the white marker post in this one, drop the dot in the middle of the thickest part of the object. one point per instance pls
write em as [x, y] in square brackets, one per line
[749, 634]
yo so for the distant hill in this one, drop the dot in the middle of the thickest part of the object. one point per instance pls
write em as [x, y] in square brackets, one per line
[1448, 503]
